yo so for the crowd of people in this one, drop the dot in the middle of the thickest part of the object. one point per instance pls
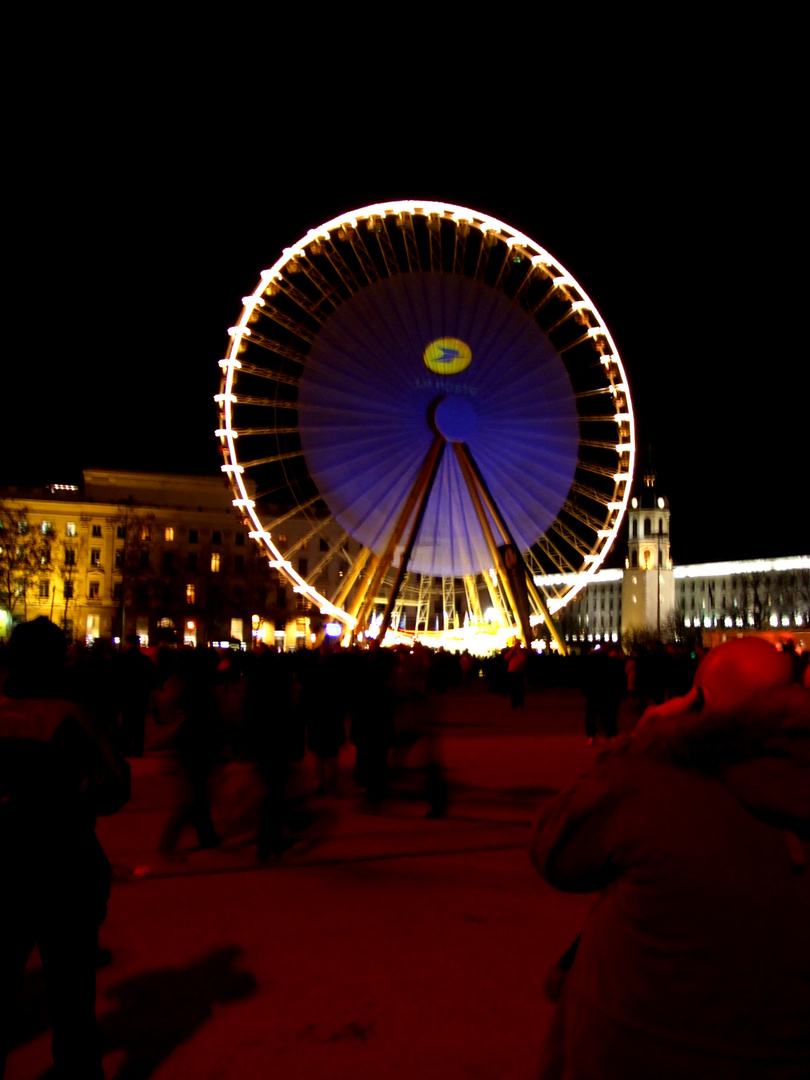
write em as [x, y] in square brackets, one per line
[693, 827]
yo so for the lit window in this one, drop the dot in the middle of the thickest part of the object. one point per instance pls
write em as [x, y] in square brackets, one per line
[22, 527]
[168, 532]
[70, 528]
[44, 589]
[94, 590]
[281, 539]
[145, 532]
[96, 530]
[191, 594]
[215, 562]
[47, 528]
[95, 557]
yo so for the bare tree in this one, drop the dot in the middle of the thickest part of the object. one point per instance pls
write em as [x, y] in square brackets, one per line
[133, 559]
[24, 557]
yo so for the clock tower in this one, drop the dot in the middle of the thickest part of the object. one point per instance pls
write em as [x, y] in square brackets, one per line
[648, 587]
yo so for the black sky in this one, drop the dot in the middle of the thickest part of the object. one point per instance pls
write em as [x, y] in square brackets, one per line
[139, 220]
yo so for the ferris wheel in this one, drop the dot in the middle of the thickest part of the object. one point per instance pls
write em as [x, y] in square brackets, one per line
[433, 392]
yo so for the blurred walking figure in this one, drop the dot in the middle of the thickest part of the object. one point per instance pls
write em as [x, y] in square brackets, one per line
[373, 708]
[515, 659]
[274, 739]
[695, 960]
[137, 679]
[603, 686]
[323, 708]
[58, 771]
[200, 745]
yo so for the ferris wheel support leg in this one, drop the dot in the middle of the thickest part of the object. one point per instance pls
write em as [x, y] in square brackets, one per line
[541, 606]
[416, 500]
[492, 506]
[476, 488]
[351, 577]
[416, 525]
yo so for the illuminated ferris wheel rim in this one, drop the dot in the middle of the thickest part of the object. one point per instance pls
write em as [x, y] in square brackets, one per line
[240, 333]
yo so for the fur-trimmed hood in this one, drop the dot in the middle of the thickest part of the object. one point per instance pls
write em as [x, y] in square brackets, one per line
[761, 752]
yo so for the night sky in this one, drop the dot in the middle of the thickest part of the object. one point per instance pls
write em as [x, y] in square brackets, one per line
[138, 228]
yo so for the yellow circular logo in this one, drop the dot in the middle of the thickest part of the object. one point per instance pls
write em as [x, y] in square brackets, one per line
[447, 356]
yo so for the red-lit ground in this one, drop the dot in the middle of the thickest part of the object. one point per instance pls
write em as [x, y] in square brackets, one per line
[383, 946]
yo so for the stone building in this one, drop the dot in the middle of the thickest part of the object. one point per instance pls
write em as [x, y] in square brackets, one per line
[160, 555]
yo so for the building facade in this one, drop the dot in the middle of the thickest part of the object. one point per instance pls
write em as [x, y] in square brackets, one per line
[159, 555]
[653, 599]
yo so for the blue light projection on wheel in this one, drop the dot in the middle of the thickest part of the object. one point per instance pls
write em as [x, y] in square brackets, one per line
[429, 352]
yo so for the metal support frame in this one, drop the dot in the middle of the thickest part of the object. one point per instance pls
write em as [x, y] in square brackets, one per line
[414, 506]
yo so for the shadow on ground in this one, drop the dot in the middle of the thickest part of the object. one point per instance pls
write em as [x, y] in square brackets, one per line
[159, 1010]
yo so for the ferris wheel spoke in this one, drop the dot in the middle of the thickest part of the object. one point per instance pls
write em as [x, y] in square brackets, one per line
[295, 327]
[579, 514]
[260, 372]
[389, 256]
[460, 234]
[298, 509]
[244, 432]
[434, 226]
[592, 493]
[561, 563]
[332, 550]
[271, 459]
[404, 222]
[355, 238]
[341, 267]
[571, 539]
[305, 538]
[329, 293]
[300, 299]
[597, 470]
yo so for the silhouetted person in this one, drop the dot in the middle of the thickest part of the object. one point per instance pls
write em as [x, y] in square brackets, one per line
[515, 659]
[695, 961]
[138, 677]
[274, 739]
[199, 739]
[603, 686]
[58, 770]
[323, 709]
[373, 707]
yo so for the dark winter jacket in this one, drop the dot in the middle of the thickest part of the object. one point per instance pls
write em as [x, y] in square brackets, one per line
[57, 773]
[695, 960]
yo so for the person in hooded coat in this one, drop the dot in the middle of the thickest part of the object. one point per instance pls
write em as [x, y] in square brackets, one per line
[695, 960]
[58, 771]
